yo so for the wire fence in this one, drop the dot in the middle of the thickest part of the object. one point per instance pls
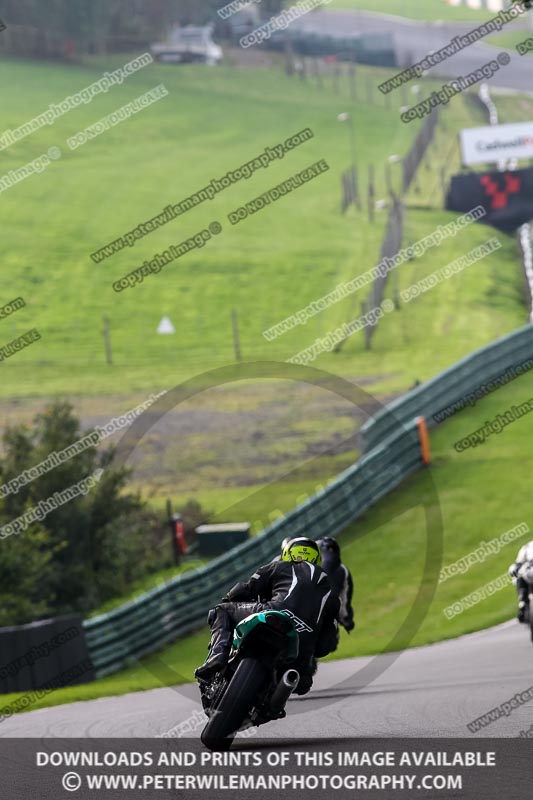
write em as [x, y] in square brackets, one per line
[30, 42]
[337, 77]
[391, 246]
[423, 139]
[350, 189]
[394, 234]
[44, 43]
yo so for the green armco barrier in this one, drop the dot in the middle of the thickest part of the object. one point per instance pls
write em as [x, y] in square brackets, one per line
[450, 386]
[378, 49]
[166, 613]
[391, 453]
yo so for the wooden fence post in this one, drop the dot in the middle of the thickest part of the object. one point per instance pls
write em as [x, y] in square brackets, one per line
[236, 337]
[107, 340]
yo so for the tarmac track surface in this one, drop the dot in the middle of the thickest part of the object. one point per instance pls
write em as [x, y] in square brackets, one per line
[431, 691]
[414, 40]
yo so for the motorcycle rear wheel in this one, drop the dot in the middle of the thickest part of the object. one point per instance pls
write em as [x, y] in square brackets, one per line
[234, 706]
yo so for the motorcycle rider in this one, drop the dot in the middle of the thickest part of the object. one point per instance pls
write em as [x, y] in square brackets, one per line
[340, 578]
[297, 585]
[525, 554]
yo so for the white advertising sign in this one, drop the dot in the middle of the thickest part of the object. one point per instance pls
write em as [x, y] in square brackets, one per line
[496, 142]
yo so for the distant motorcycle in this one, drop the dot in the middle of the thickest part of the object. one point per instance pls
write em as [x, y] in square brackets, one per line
[526, 573]
[257, 681]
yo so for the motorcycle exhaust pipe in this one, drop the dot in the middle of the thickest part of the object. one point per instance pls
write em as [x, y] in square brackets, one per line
[284, 689]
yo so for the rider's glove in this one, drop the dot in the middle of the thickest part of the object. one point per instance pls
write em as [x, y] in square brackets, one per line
[349, 626]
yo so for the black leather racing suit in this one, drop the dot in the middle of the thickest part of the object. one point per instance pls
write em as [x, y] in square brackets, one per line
[341, 582]
[300, 588]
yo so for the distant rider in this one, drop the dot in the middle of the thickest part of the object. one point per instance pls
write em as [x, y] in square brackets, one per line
[296, 584]
[340, 578]
[525, 554]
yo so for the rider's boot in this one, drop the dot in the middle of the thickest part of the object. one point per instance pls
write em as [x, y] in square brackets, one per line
[522, 611]
[221, 639]
[216, 659]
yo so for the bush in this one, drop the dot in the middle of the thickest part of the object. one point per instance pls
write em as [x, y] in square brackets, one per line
[86, 551]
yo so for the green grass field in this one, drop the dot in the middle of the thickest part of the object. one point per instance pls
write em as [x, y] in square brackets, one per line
[510, 40]
[267, 267]
[415, 9]
[163, 154]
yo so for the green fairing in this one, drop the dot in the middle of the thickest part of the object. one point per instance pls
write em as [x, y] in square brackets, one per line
[247, 625]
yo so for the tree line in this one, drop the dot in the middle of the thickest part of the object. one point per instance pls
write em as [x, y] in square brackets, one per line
[84, 552]
[92, 24]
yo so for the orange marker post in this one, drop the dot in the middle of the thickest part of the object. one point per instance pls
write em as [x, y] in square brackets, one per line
[423, 437]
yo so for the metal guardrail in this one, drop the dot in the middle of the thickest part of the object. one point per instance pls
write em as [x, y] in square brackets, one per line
[392, 452]
[525, 243]
[164, 614]
[449, 386]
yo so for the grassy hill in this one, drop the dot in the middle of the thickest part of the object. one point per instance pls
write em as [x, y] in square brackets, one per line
[268, 267]
[415, 9]
[510, 39]
[212, 121]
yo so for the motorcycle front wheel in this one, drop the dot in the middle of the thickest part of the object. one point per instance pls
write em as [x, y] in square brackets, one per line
[235, 704]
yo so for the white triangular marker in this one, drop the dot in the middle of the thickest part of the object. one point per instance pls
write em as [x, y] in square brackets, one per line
[165, 326]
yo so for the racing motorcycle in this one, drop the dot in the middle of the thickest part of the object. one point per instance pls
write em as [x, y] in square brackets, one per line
[257, 681]
[526, 573]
